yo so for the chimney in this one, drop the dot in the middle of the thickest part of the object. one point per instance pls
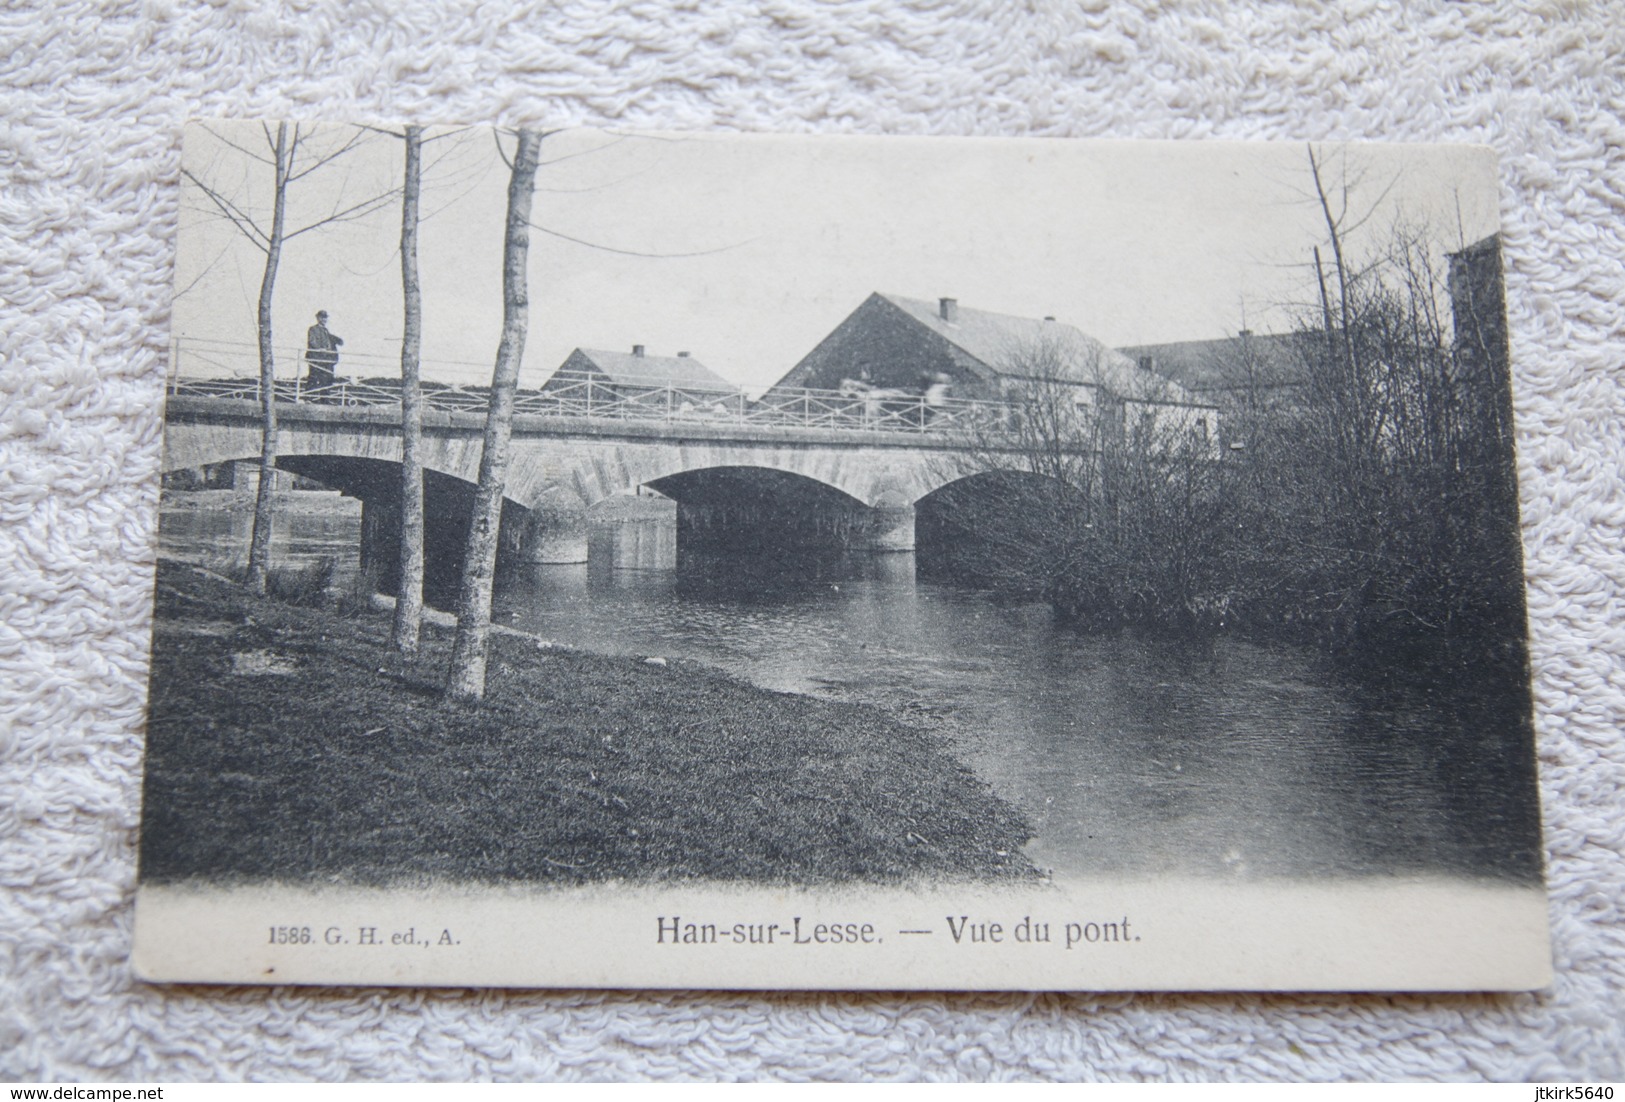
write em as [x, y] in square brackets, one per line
[637, 350]
[1245, 333]
[1148, 363]
[682, 355]
[1049, 317]
[948, 308]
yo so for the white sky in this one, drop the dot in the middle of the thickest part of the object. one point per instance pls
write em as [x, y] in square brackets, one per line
[1133, 242]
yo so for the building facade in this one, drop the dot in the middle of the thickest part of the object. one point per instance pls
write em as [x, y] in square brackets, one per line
[897, 345]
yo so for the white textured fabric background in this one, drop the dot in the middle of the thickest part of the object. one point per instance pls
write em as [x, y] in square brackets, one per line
[93, 98]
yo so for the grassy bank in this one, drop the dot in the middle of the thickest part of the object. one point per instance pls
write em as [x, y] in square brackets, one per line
[289, 743]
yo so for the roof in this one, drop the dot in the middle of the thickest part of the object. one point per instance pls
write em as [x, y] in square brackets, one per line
[634, 370]
[1221, 364]
[1484, 246]
[1005, 344]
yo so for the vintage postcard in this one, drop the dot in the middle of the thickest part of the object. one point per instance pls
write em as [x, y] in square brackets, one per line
[660, 560]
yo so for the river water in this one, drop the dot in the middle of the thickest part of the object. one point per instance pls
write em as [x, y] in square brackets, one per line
[1129, 755]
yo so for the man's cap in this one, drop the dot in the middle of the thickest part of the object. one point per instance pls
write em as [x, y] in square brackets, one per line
[321, 313]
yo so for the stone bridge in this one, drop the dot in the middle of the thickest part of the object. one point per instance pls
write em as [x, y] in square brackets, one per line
[735, 484]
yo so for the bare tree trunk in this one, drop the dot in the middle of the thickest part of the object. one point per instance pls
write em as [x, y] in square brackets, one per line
[285, 158]
[259, 544]
[1325, 308]
[409, 602]
[467, 679]
[1341, 266]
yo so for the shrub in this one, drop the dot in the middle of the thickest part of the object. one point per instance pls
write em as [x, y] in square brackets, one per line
[306, 585]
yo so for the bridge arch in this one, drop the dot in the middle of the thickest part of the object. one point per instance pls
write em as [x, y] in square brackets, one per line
[756, 510]
[367, 466]
[200, 444]
[867, 475]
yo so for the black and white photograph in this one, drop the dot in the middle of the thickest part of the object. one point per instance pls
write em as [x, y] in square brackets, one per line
[625, 559]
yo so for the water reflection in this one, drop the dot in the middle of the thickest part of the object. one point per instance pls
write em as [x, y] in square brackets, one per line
[212, 529]
[1129, 755]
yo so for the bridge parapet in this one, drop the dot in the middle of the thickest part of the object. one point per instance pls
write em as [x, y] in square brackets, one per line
[674, 406]
[188, 408]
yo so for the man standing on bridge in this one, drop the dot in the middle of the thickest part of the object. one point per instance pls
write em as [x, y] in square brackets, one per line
[321, 353]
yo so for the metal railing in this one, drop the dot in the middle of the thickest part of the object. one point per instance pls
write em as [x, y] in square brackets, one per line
[590, 397]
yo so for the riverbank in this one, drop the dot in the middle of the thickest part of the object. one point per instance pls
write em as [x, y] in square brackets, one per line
[289, 744]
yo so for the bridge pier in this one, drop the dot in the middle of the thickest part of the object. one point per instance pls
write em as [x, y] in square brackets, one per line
[245, 479]
[447, 507]
[381, 544]
[887, 528]
[537, 535]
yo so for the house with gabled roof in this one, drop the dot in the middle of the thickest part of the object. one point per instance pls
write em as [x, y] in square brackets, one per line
[891, 342]
[1229, 369]
[637, 369]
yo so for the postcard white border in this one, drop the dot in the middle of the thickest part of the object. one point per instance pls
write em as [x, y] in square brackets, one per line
[1413, 935]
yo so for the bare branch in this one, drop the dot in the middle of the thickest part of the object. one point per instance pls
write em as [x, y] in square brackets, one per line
[245, 225]
[245, 151]
[650, 137]
[595, 187]
[448, 134]
[192, 285]
[453, 200]
[481, 167]
[350, 214]
[1376, 205]
[292, 154]
[583, 152]
[355, 139]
